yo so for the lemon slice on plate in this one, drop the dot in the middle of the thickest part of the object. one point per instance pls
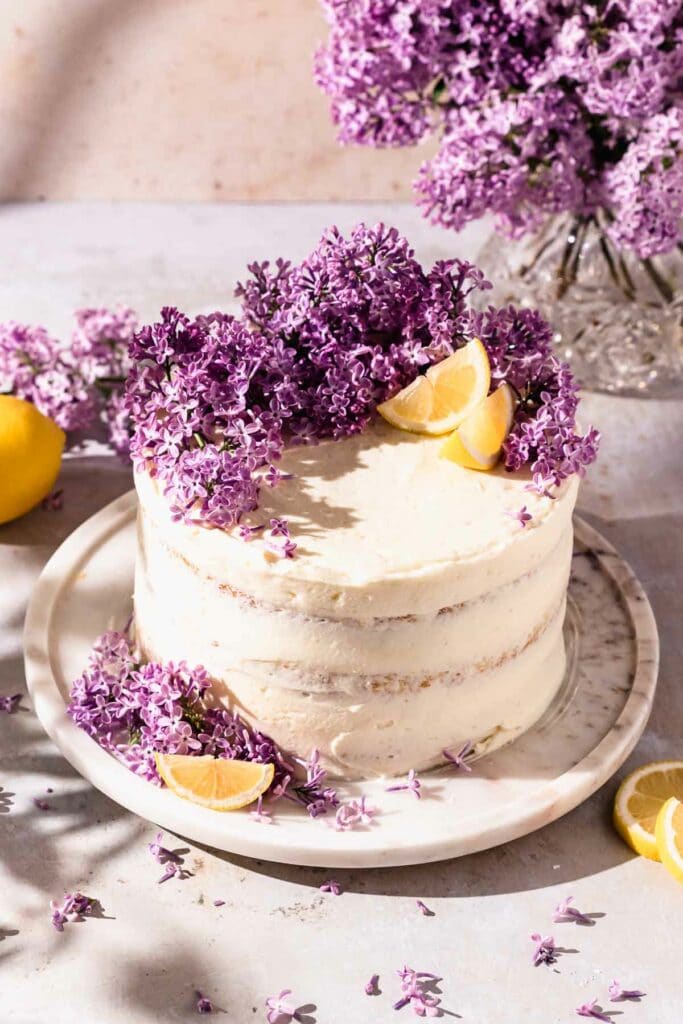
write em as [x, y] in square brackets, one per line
[640, 798]
[478, 442]
[214, 782]
[439, 401]
[30, 455]
[669, 835]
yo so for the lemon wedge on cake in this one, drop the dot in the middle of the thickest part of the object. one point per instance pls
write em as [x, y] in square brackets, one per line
[31, 448]
[214, 782]
[639, 800]
[477, 443]
[441, 399]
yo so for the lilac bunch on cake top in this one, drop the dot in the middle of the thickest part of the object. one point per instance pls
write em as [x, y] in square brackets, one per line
[540, 108]
[213, 401]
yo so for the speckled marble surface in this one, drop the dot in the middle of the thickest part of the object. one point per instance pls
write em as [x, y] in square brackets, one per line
[142, 961]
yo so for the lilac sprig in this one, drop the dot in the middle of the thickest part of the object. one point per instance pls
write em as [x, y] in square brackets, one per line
[317, 798]
[76, 382]
[74, 907]
[213, 401]
[538, 108]
[135, 710]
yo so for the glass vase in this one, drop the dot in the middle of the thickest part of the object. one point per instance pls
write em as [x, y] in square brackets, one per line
[617, 319]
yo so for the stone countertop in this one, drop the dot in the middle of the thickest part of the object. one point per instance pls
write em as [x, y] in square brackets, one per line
[155, 945]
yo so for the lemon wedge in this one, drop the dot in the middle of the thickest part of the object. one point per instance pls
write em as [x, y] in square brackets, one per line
[31, 448]
[639, 800]
[214, 782]
[669, 836]
[477, 443]
[443, 398]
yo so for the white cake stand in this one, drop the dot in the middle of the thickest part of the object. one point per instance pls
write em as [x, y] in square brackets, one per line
[581, 741]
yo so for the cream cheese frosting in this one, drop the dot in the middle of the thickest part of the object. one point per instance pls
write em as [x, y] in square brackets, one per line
[416, 614]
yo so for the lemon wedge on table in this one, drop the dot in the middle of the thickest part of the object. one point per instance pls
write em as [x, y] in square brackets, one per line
[31, 448]
[477, 443]
[639, 800]
[444, 396]
[669, 835]
[214, 782]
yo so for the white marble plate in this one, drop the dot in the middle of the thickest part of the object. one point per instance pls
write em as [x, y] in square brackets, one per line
[586, 735]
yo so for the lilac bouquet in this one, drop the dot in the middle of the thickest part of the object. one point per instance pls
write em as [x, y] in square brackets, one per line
[214, 400]
[541, 107]
[74, 383]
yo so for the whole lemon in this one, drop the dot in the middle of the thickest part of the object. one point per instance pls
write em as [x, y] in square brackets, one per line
[31, 448]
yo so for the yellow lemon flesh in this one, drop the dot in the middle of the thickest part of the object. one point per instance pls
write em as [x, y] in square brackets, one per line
[214, 782]
[477, 443]
[639, 800]
[31, 448]
[439, 401]
[669, 836]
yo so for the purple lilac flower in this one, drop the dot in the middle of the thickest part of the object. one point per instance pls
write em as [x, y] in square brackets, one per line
[538, 107]
[10, 704]
[54, 502]
[72, 382]
[618, 994]
[280, 1009]
[74, 907]
[135, 710]
[522, 516]
[565, 912]
[458, 760]
[315, 797]
[213, 401]
[372, 986]
[172, 862]
[592, 1009]
[412, 784]
[333, 886]
[219, 903]
[413, 993]
[424, 909]
[354, 814]
[544, 949]
[40, 803]
[204, 1004]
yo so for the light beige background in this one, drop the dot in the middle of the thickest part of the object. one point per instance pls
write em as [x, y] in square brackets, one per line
[175, 99]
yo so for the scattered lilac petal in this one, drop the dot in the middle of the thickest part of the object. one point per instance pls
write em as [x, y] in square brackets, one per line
[424, 909]
[372, 986]
[260, 815]
[41, 804]
[331, 886]
[171, 861]
[564, 912]
[412, 784]
[522, 516]
[219, 903]
[280, 1008]
[592, 1009]
[204, 1004]
[54, 501]
[618, 994]
[458, 760]
[413, 984]
[354, 814]
[74, 907]
[10, 704]
[544, 951]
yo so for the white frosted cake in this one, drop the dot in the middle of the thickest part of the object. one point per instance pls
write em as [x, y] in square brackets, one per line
[418, 613]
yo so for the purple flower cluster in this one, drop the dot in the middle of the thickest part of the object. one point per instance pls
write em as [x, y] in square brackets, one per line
[74, 907]
[73, 383]
[414, 992]
[540, 107]
[134, 710]
[214, 400]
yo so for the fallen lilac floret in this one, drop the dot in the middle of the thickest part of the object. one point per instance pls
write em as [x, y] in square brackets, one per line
[74, 907]
[564, 912]
[424, 909]
[41, 804]
[592, 1009]
[219, 903]
[371, 986]
[280, 1008]
[333, 886]
[10, 704]
[413, 993]
[544, 951]
[618, 994]
[204, 1004]
[458, 760]
[412, 784]
[354, 814]
[260, 815]
[171, 861]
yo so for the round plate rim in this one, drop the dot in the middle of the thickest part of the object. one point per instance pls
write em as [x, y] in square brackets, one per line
[557, 797]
